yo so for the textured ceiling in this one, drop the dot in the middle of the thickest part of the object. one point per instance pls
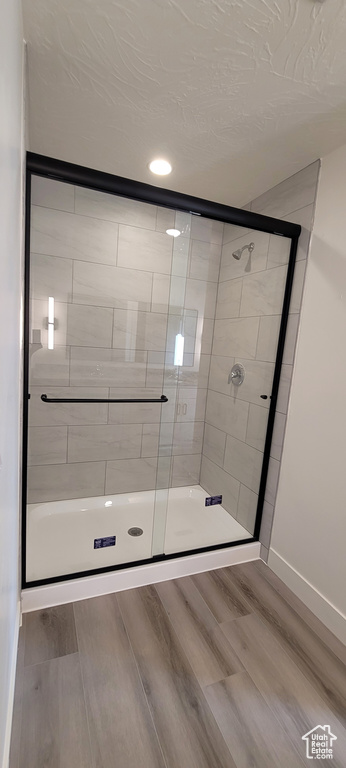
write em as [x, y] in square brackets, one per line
[238, 94]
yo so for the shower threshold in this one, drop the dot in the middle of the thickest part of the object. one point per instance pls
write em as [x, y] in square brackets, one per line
[62, 534]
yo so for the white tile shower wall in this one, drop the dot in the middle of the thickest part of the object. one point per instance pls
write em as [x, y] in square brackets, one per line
[250, 290]
[292, 200]
[120, 284]
[248, 313]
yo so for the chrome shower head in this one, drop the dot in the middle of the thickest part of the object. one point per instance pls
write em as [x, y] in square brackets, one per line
[237, 254]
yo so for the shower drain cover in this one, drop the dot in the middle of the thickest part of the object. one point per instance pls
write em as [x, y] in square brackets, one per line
[135, 531]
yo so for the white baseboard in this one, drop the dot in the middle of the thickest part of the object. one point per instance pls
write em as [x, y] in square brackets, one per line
[318, 604]
[116, 581]
[8, 728]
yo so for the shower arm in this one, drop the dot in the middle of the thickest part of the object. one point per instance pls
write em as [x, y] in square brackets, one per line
[45, 399]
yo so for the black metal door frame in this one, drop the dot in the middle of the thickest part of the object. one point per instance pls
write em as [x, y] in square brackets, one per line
[39, 165]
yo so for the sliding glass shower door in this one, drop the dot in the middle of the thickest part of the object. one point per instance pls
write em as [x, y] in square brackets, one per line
[142, 440]
[99, 290]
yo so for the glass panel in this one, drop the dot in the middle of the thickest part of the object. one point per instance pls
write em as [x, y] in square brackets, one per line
[246, 322]
[180, 347]
[119, 309]
[225, 309]
[99, 292]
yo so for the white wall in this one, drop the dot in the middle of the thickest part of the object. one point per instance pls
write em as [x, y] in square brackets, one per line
[309, 533]
[11, 50]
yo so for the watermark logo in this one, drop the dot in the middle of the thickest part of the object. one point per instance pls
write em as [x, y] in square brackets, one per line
[319, 743]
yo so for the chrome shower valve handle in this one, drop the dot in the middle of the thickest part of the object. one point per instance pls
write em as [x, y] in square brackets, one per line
[237, 375]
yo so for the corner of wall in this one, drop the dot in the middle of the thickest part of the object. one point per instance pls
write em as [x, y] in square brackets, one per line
[292, 200]
[309, 595]
[12, 681]
[308, 538]
[11, 306]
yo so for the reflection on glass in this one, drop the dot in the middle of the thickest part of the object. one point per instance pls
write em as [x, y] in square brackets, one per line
[51, 322]
[179, 349]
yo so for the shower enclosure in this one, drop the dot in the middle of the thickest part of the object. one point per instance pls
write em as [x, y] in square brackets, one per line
[155, 326]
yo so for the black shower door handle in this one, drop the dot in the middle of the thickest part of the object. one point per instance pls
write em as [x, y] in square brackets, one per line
[45, 399]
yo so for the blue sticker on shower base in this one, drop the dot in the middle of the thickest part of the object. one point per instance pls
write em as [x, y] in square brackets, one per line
[107, 541]
[211, 500]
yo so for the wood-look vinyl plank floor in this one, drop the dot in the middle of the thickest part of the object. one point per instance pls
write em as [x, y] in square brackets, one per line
[217, 670]
[206, 647]
[248, 725]
[121, 728]
[320, 665]
[331, 641]
[186, 728]
[223, 598]
[293, 700]
[54, 732]
[49, 634]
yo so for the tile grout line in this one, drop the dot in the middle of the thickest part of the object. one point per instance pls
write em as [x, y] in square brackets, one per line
[152, 290]
[91, 262]
[213, 331]
[127, 223]
[72, 291]
[254, 272]
[228, 434]
[238, 499]
[113, 328]
[268, 248]
[100, 218]
[69, 347]
[258, 335]
[117, 244]
[232, 476]
[105, 477]
[67, 442]
[241, 296]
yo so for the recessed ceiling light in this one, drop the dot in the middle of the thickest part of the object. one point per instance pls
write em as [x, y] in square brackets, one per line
[173, 232]
[160, 167]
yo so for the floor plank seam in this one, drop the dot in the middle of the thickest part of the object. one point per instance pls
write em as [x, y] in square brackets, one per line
[214, 670]
[191, 672]
[316, 682]
[224, 590]
[199, 684]
[265, 697]
[266, 574]
[293, 651]
[240, 721]
[83, 689]
[142, 685]
[37, 663]
[178, 641]
[203, 636]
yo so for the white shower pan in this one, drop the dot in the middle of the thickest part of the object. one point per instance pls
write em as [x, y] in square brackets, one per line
[61, 534]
